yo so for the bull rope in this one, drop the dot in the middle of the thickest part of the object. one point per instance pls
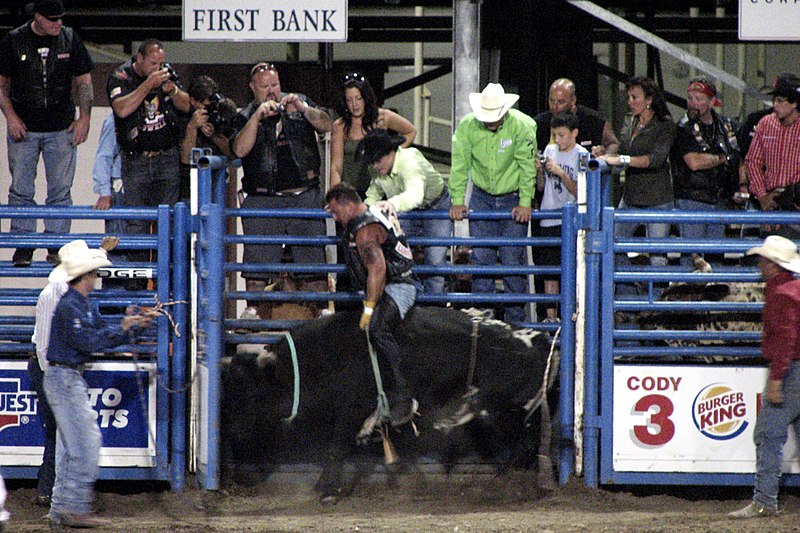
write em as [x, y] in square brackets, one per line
[296, 369]
[541, 396]
[383, 401]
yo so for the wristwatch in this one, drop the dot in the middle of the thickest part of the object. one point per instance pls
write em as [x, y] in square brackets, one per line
[624, 160]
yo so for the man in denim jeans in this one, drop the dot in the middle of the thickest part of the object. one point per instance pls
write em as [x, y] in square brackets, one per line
[406, 181]
[77, 331]
[780, 345]
[496, 147]
[42, 65]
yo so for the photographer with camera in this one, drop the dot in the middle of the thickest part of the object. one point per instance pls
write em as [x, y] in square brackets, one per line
[145, 95]
[208, 127]
[705, 161]
[276, 138]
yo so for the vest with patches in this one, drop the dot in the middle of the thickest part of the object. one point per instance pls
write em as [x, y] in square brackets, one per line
[43, 86]
[396, 252]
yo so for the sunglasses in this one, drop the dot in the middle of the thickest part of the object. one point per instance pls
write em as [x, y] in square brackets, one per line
[261, 67]
[54, 18]
[355, 76]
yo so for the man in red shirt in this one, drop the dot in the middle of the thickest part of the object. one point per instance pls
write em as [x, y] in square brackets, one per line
[773, 161]
[780, 346]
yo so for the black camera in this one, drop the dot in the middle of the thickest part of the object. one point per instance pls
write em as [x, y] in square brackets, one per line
[220, 111]
[173, 76]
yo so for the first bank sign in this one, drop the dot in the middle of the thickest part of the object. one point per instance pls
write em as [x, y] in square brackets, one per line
[265, 20]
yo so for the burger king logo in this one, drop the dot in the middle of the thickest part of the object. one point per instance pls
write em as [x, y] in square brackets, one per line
[719, 412]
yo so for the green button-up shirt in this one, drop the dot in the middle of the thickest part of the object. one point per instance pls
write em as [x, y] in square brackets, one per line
[412, 182]
[500, 162]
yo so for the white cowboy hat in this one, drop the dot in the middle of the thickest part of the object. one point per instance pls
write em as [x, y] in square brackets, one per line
[77, 260]
[779, 250]
[492, 104]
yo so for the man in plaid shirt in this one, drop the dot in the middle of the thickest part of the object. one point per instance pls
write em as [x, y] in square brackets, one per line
[773, 161]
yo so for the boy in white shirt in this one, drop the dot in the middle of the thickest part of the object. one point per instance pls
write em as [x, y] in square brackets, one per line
[558, 186]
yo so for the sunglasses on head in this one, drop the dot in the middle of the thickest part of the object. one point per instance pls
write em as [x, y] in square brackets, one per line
[54, 18]
[355, 76]
[261, 67]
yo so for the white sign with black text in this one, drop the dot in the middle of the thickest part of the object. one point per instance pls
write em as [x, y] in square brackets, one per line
[265, 20]
[769, 20]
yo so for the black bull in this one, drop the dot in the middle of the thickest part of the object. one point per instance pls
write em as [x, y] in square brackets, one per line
[338, 390]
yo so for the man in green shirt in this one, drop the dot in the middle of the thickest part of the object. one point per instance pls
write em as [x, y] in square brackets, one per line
[496, 147]
[406, 181]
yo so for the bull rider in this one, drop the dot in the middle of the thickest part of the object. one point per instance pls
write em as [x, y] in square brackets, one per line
[379, 261]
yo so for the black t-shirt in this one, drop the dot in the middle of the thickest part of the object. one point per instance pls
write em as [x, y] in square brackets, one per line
[23, 71]
[153, 130]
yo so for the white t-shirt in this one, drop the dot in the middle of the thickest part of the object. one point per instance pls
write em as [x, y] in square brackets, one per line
[556, 193]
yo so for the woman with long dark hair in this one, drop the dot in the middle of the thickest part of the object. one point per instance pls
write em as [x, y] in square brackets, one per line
[645, 142]
[359, 113]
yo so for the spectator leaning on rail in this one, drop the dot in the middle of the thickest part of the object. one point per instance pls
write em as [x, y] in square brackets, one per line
[495, 146]
[773, 161]
[144, 96]
[595, 134]
[76, 333]
[406, 181]
[43, 65]
[276, 138]
[780, 346]
[705, 161]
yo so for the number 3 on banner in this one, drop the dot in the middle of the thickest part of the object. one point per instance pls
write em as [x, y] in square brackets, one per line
[658, 421]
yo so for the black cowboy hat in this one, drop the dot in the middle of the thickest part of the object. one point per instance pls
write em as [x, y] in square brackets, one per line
[376, 144]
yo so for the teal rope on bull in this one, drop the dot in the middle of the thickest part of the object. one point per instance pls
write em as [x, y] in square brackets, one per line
[296, 368]
[383, 401]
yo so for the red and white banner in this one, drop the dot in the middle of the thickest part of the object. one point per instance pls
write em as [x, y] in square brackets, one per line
[689, 419]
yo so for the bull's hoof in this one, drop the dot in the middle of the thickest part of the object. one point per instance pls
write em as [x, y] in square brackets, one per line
[330, 497]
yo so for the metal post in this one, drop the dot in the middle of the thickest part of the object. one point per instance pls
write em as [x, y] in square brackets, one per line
[466, 55]
[419, 64]
[568, 280]
[163, 291]
[180, 285]
[586, 387]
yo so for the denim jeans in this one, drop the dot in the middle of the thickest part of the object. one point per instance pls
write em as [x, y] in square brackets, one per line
[654, 231]
[698, 231]
[770, 436]
[508, 255]
[434, 255]
[47, 472]
[78, 442]
[149, 182]
[59, 165]
[403, 294]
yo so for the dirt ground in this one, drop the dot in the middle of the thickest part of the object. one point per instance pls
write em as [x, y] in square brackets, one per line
[419, 502]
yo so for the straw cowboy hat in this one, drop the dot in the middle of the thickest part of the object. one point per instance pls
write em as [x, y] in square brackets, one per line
[779, 250]
[491, 104]
[76, 259]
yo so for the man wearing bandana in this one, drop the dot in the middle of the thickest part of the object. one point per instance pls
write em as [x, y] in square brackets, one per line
[705, 159]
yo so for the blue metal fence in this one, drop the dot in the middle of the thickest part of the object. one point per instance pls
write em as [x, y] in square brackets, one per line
[162, 347]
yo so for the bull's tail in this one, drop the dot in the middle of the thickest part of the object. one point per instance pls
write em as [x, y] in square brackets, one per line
[545, 477]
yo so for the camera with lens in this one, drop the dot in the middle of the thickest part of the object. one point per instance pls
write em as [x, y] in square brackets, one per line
[542, 158]
[220, 111]
[173, 76]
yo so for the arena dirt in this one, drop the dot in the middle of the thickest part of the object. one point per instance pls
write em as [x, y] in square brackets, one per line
[419, 503]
